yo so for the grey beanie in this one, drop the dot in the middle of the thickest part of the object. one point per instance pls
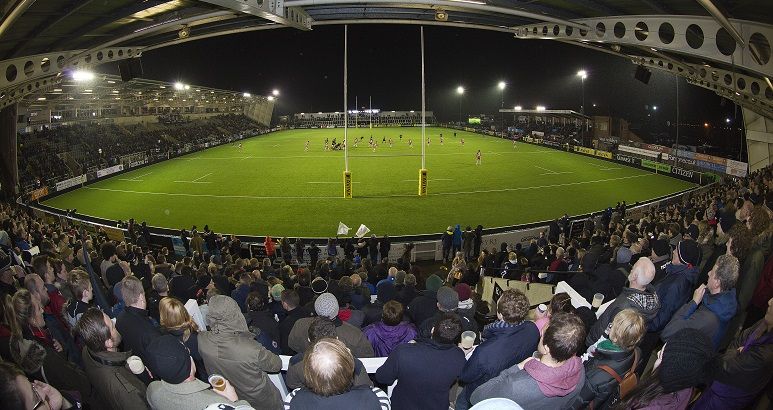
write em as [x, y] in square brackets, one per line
[326, 305]
[447, 298]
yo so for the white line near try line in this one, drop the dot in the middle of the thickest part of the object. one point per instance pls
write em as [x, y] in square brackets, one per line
[383, 196]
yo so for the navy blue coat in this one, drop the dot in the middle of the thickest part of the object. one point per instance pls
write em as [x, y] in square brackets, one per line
[674, 291]
[504, 346]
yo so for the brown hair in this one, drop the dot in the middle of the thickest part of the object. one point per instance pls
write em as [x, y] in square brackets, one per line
[79, 282]
[23, 307]
[131, 290]
[564, 335]
[561, 302]
[742, 241]
[174, 316]
[8, 316]
[513, 305]
[393, 313]
[627, 329]
[328, 367]
[92, 329]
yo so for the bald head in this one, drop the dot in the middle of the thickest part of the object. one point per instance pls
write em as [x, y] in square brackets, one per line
[642, 273]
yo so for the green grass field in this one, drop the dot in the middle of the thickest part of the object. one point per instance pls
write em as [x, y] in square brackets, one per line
[272, 186]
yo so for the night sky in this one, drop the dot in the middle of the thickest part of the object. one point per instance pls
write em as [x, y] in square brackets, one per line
[384, 62]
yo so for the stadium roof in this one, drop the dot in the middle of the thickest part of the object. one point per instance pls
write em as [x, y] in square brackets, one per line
[722, 45]
[105, 89]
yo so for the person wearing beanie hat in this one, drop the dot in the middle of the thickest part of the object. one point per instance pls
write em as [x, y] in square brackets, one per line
[326, 305]
[661, 257]
[433, 282]
[466, 305]
[675, 289]
[447, 303]
[682, 364]
[229, 349]
[424, 306]
[178, 389]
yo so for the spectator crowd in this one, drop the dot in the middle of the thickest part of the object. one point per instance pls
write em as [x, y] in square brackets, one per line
[680, 316]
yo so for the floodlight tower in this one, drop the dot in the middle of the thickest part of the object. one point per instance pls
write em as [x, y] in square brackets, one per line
[460, 92]
[501, 87]
[583, 75]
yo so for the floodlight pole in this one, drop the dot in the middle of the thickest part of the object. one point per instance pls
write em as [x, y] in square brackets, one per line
[676, 157]
[347, 174]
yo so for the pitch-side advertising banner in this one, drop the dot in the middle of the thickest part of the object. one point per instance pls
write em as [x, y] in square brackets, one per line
[108, 171]
[69, 183]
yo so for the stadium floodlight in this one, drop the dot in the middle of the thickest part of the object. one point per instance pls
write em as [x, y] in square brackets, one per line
[460, 90]
[270, 98]
[502, 85]
[187, 87]
[706, 125]
[82, 75]
[540, 108]
[275, 93]
[518, 108]
[654, 108]
[179, 86]
[582, 74]
[727, 120]
[246, 95]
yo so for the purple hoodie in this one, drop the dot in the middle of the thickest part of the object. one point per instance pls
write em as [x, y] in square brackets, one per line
[385, 338]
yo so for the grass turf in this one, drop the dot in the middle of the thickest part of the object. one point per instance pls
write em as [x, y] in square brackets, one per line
[272, 186]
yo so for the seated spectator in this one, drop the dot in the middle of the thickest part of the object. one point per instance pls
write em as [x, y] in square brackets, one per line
[426, 369]
[291, 303]
[408, 293]
[320, 328]
[105, 365]
[229, 349]
[424, 306]
[261, 322]
[744, 370]
[640, 296]
[160, 290]
[447, 302]
[360, 293]
[506, 342]
[682, 364]
[618, 353]
[329, 370]
[391, 331]
[560, 302]
[466, 306]
[176, 321]
[242, 290]
[710, 312]
[19, 393]
[326, 305]
[550, 382]
[346, 312]
[133, 323]
[179, 389]
[384, 293]
[80, 286]
[674, 290]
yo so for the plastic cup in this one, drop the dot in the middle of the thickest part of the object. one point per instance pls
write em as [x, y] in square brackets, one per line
[542, 275]
[217, 381]
[597, 300]
[468, 339]
[135, 364]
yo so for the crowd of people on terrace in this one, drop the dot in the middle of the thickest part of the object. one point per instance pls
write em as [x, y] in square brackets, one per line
[96, 146]
[687, 318]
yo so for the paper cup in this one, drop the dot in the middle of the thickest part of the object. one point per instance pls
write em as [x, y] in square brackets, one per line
[135, 364]
[597, 300]
[468, 339]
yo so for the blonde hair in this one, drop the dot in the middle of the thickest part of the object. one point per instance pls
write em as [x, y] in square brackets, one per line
[174, 316]
[627, 329]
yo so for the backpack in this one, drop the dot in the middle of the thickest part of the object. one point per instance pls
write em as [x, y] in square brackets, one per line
[626, 383]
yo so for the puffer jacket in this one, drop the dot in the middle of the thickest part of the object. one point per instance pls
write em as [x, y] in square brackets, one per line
[230, 349]
[601, 387]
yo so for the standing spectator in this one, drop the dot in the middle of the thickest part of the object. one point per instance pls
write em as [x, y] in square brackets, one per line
[457, 239]
[106, 366]
[710, 312]
[478, 240]
[552, 381]
[507, 342]
[391, 331]
[447, 240]
[329, 370]
[133, 323]
[681, 365]
[744, 370]
[640, 296]
[468, 240]
[384, 247]
[197, 242]
[229, 349]
[179, 389]
[425, 370]
[373, 248]
[270, 247]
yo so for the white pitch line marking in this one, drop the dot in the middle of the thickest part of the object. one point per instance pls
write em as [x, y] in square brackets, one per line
[557, 173]
[429, 180]
[200, 178]
[549, 171]
[197, 180]
[384, 196]
[328, 182]
[137, 178]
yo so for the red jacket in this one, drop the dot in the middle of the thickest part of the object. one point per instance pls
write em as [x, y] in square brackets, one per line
[764, 290]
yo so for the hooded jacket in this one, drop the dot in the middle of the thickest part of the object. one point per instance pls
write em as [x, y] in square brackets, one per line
[504, 345]
[710, 317]
[457, 241]
[537, 386]
[230, 349]
[645, 302]
[673, 291]
[352, 337]
[600, 386]
[385, 338]
[115, 386]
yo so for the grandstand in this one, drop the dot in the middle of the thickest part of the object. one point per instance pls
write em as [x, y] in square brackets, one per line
[163, 246]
